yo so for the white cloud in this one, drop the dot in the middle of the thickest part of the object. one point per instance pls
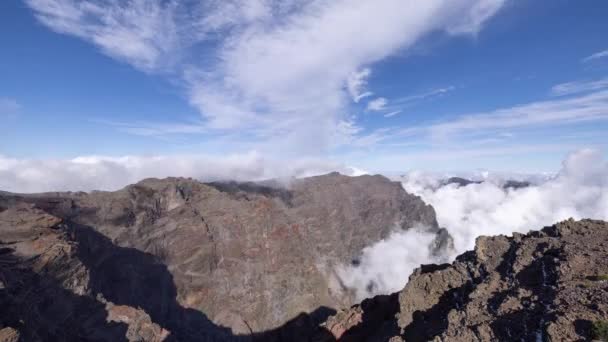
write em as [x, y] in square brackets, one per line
[385, 266]
[377, 104]
[356, 84]
[112, 173]
[590, 107]
[417, 97]
[570, 88]
[476, 13]
[579, 190]
[9, 107]
[583, 107]
[276, 69]
[156, 129]
[597, 55]
[391, 114]
[142, 33]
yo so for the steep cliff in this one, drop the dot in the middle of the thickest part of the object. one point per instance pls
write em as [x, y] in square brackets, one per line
[549, 285]
[196, 257]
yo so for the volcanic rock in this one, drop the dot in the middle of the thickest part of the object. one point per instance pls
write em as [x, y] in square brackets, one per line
[547, 285]
[195, 261]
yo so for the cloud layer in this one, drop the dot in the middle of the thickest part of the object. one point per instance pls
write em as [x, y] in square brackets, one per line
[110, 173]
[570, 88]
[588, 107]
[579, 190]
[492, 132]
[277, 69]
[596, 56]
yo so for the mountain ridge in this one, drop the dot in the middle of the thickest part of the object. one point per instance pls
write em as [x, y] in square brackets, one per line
[546, 285]
[249, 257]
[138, 264]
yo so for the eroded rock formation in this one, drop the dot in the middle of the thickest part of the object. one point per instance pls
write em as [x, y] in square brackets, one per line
[547, 285]
[193, 259]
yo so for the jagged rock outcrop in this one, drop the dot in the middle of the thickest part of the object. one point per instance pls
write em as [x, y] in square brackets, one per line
[548, 285]
[193, 261]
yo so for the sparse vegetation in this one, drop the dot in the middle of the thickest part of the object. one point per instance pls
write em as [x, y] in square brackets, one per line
[599, 330]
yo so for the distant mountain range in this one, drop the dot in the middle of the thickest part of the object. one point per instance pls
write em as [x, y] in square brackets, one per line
[508, 184]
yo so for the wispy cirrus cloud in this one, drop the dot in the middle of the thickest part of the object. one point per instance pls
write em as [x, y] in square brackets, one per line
[595, 56]
[570, 88]
[156, 129]
[393, 113]
[268, 67]
[396, 106]
[406, 100]
[377, 104]
[356, 84]
[500, 124]
[583, 108]
[142, 33]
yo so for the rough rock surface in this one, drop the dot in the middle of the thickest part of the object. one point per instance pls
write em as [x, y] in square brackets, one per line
[544, 286]
[189, 260]
[44, 285]
[9, 335]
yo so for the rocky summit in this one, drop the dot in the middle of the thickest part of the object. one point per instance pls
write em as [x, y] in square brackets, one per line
[548, 285]
[184, 260]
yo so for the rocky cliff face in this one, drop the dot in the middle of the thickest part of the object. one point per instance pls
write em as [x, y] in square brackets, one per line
[179, 259]
[550, 285]
[45, 286]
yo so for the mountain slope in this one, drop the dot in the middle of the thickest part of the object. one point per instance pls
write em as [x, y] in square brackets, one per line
[196, 257]
[549, 285]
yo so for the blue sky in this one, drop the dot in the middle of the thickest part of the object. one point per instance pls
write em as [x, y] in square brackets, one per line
[384, 86]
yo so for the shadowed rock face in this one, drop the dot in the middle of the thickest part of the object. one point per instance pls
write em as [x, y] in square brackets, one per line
[509, 184]
[543, 286]
[44, 285]
[67, 282]
[182, 258]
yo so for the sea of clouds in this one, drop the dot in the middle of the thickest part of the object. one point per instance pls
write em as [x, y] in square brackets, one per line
[579, 190]
[89, 173]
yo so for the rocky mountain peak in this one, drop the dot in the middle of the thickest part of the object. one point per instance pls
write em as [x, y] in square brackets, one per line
[217, 259]
[543, 286]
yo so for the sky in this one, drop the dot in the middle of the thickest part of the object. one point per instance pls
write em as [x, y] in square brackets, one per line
[381, 86]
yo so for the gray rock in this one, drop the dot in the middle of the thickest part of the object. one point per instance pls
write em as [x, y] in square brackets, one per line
[543, 286]
[247, 256]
